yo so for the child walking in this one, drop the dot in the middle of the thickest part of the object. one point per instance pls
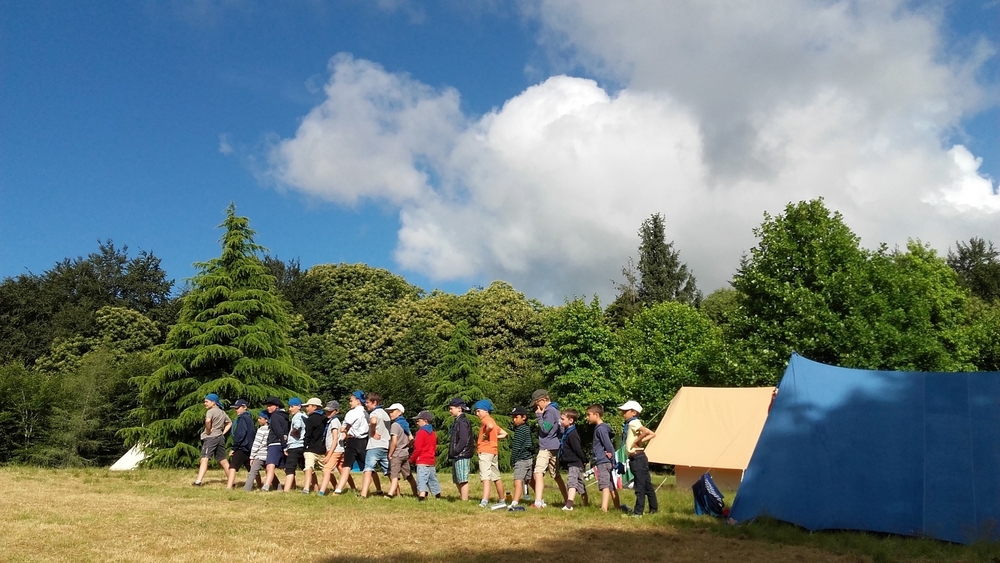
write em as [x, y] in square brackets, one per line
[571, 454]
[604, 456]
[424, 456]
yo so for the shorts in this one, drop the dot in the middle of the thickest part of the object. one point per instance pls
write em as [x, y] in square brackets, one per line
[295, 458]
[399, 467]
[275, 455]
[314, 461]
[214, 447]
[354, 451]
[427, 480]
[575, 479]
[547, 462]
[603, 472]
[239, 460]
[375, 458]
[489, 467]
[522, 470]
[460, 471]
[335, 463]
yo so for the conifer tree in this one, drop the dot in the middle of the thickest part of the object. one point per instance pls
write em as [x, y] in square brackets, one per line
[231, 339]
[663, 277]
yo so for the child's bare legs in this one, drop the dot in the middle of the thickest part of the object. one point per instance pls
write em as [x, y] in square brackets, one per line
[518, 489]
[539, 488]
[562, 486]
[269, 475]
[413, 484]
[486, 491]
[500, 492]
[463, 490]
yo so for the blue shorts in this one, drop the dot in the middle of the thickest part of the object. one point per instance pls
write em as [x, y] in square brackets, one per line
[376, 457]
[275, 455]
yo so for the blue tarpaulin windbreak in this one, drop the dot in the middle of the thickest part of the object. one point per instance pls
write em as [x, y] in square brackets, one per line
[909, 453]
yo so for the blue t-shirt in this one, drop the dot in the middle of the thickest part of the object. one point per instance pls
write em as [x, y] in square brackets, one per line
[298, 423]
[602, 444]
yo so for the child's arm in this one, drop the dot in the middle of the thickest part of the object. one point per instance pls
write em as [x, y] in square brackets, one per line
[501, 433]
[644, 435]
[392, 444]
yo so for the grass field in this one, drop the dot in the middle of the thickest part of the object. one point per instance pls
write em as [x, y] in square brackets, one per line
[155, 515]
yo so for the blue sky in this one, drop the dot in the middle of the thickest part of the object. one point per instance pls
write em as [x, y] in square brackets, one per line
[140, 122]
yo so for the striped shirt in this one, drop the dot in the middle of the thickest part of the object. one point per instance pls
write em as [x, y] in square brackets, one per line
[520, 446]
[259, 448]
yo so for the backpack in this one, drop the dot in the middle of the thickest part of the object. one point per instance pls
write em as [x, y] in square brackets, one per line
[707, 498]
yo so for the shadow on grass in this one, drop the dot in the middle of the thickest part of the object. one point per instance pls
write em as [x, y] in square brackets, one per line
[874, 546]
[639, 546]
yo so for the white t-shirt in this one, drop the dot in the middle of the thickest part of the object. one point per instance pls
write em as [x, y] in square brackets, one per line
[334, 424]
[358, 420]
[381, 428]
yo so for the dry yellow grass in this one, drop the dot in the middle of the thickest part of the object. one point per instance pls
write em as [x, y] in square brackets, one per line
[95, 515]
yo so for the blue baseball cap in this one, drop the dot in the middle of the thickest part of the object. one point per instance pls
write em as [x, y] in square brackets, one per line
[485, 404]
[264, 414]
[359, 395]
[212, 397]
[295, 402]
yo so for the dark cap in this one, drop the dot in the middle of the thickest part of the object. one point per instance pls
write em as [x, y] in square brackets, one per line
[458, 402]
[272, 400]
[538, 395]
[518, 411]
[424, 415]
[332, 406]
[240, 403]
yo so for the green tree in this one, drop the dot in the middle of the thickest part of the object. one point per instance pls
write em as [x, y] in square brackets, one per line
[63, 301]
[809, 287]
[721, 305]
[25, 413]
[978, 266]
[662, 275]
[580, 356]
[231, 339]
[667, 346]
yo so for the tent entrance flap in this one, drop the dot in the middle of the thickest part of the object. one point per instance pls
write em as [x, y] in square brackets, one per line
[713, 429]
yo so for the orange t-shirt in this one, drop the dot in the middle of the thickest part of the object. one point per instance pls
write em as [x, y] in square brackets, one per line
[487, 443]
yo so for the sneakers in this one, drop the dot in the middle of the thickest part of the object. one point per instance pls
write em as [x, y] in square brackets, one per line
[196, 484]
[305, 491]
[568, 508]
[516, 508]
[539, 504]
[483, 504]
[321, 493]
[499, 506]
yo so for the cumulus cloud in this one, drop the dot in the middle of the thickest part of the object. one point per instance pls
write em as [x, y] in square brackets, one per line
[725, 111]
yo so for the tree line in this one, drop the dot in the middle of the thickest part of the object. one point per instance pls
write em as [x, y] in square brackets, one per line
[99, 351]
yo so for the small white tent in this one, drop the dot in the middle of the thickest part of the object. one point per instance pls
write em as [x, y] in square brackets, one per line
[713, 429]
[130, 460]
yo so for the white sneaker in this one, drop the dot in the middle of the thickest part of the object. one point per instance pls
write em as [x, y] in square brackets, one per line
[499, 506]
[567, 508]
[483, 504]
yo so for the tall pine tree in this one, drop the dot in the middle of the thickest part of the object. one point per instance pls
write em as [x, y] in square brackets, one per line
[231, 339]
[662, 275]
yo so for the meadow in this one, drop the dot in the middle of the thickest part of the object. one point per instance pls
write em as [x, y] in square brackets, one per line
[156, 515]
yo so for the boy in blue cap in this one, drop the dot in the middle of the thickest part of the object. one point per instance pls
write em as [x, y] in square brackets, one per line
[295, 447]
[213, 439]
[489, 453]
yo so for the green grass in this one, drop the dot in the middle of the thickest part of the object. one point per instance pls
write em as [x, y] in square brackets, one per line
[155, 515]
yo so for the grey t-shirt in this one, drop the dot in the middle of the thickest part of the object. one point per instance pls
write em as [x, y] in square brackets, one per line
[381, 428]
[219, 421]
[334, 424]
[402, 441]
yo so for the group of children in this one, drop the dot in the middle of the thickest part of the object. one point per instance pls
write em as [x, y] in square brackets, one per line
[381, 441]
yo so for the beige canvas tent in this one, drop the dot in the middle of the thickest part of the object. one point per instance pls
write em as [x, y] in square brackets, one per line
[711, 429]
[130, 460]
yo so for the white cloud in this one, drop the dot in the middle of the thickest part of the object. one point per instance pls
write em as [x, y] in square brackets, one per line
[727, 111]
[225, 147]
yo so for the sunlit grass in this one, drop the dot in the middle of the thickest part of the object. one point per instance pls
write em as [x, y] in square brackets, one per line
[145, 515]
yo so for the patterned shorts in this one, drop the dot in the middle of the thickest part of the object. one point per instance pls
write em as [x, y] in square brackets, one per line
[460, 471]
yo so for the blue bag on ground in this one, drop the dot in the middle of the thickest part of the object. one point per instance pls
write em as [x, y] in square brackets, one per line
[707, 498]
